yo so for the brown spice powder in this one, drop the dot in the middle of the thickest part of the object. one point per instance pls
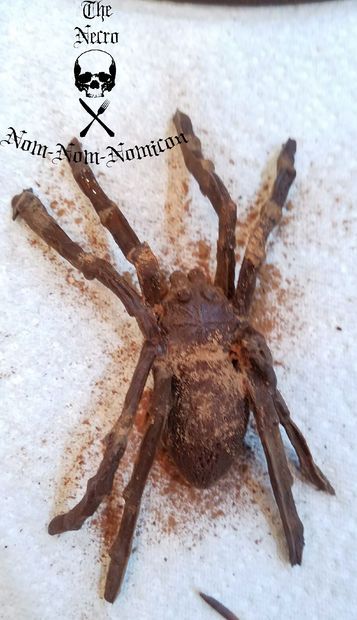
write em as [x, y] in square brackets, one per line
[180, 505]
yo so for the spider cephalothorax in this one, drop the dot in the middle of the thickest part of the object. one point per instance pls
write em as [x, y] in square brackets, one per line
[210, 366]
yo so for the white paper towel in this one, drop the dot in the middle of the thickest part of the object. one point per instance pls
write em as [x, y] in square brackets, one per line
[249, 78]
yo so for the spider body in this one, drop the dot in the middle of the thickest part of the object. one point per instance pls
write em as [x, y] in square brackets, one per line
[208, 419]
[210, 367]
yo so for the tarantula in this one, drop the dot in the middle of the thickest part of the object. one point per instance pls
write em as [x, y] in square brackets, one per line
[210, 367]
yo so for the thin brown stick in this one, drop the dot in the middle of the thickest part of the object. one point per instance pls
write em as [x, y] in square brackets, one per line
[218, 607]
[151, 278]
[116, 441]
[309, 469]
[121, 549]
[31, 209]
[212, 187]
[269, 217]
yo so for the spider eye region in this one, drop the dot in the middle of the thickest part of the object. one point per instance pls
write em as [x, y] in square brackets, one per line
[184, 294]
[194, 310]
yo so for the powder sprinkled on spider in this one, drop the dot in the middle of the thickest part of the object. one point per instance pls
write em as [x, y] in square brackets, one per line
[210, 366]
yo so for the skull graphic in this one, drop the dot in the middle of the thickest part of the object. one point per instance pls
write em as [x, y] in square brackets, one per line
[94, 72]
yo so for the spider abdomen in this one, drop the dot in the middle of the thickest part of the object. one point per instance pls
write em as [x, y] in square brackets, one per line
[209, 418]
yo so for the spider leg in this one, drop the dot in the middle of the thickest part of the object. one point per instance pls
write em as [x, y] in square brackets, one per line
[269, 217]
[120, 551]
[255, 364]
[281, 480]
[308, 467]
[116, 441]
[151, 278]
[30, 208]
[212, 186]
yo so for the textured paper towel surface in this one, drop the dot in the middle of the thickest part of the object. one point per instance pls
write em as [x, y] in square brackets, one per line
[249, 78]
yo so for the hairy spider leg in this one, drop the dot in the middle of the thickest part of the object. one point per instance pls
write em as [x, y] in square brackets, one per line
[31, 209]
[151, 279]
[308, 467]
[280, 477]
[269, 217]
[254, 363]
[121, 549]
[116, 441]
[211, 186]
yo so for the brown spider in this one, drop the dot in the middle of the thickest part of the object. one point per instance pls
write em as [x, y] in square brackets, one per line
[210, 367]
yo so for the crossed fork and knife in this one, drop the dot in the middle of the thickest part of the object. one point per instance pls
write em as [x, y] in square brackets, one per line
[95, 116]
